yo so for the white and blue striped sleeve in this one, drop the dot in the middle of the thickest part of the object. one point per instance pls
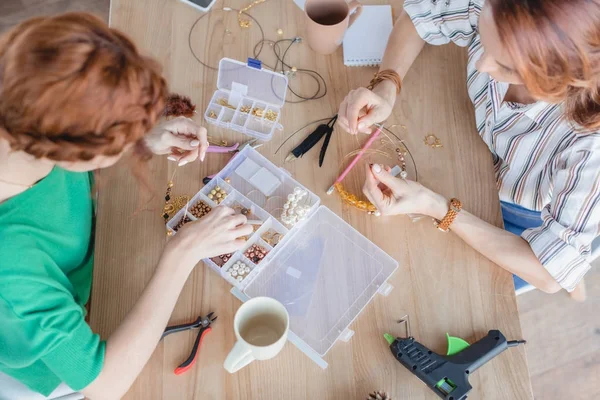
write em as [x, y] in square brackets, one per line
[442, 21]
[572, 219]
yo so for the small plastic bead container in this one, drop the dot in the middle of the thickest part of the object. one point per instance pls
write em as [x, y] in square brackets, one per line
[248, 99]
[322, 270]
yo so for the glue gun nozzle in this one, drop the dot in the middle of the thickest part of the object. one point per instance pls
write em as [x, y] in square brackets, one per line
[513, 343]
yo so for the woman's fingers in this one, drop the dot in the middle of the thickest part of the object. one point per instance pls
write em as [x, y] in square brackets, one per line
[372, 190]
[233, 221]
[188, 157]
[343, 116]
[243, 230]
[179, 141]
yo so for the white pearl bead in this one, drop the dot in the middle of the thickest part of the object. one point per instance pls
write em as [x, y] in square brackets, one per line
[236, 267]
[291, 197]
[239, 279]
[247, 270]
[403, 174]
[234, 273]
[286, 206]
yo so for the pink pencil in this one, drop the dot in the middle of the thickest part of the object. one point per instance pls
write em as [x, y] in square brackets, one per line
[357, 157]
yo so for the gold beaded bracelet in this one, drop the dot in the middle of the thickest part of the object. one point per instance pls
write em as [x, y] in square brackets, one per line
[352, 199]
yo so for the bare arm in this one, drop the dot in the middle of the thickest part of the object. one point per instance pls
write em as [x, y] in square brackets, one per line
[509, 251]
[403, 47]
[131, 345]
[503, 248]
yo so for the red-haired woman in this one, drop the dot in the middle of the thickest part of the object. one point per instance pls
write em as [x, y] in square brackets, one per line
[534, 80]
[76, 95]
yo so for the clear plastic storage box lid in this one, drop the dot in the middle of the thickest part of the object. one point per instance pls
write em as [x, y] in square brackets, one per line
[324, 276]
[258, 84]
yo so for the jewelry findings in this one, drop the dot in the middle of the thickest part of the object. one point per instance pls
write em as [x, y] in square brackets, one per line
[256, 253]
[181, 223]
[200, 209]
[224, 103]
[433, 141]
[246, 23]
[238, 271]
[222, 259]
[217, 194]
[272, 238]
[292, 211]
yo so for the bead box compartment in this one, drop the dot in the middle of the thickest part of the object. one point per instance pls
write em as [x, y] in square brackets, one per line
[323, 271]
[241, 86]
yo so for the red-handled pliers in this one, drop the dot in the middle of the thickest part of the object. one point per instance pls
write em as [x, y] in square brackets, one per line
[204, 324]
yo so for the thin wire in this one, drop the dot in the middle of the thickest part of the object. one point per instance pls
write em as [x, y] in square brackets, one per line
[318, 78]
[408, 151]
[304, 127]
[262, 34]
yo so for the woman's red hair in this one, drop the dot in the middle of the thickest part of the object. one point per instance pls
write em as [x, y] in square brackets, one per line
[71, 88]
[555, 46]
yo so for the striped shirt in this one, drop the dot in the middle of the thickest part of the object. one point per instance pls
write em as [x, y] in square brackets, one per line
[542, 161]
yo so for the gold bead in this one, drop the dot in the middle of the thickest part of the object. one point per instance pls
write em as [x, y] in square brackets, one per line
[294, 69]
[170, 184]
[213, 192]
[280, 31]
[228, 180]
[169, 233]
[210, 196]
[218, 188]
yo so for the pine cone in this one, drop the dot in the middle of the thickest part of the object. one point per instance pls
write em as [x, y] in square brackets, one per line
[378, 396]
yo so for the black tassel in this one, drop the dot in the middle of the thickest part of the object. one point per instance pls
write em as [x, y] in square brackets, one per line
[310, 141]
[328, 134]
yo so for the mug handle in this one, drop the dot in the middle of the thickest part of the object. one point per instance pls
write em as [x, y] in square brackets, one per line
[355, 11]
[238, 357]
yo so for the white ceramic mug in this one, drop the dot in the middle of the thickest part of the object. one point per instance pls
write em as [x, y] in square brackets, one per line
[261, 327]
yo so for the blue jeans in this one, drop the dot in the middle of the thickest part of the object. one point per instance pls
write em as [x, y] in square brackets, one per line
[516, 220]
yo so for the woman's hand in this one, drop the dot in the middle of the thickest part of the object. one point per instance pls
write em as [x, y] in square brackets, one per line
[394, 196]
[218, 232]
[362, 107]
[181, 138]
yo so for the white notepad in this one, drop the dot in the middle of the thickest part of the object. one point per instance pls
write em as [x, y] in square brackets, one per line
[365, 41]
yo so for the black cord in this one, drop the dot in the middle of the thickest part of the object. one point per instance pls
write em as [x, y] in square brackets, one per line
[258, 48]
[384, 128]
[312, 73]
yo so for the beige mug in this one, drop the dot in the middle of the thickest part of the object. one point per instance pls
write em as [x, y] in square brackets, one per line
[261, 327]
[327, 22]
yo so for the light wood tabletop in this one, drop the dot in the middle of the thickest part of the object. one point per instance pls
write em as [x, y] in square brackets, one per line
[442, 284]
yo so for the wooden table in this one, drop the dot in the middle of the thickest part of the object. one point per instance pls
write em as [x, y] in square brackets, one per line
[442, 284]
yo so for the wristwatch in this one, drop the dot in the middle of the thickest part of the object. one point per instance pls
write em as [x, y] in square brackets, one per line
[444, 224]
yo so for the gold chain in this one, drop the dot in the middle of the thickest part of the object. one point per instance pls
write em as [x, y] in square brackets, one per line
[246, 23]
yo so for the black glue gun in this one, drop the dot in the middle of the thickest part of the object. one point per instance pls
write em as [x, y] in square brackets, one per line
[448, 376]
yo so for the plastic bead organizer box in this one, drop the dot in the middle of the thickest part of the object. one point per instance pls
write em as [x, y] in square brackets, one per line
[322, 270]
